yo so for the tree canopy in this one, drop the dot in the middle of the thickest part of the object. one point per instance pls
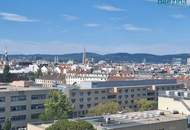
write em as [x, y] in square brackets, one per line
[57, 107]
[104, 108]
[71, 125]
[6, 74]
[7, 125]
[146, 105]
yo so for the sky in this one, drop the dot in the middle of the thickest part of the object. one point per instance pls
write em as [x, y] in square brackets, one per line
[100, 26]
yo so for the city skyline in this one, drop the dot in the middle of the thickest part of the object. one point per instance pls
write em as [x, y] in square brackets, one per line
[100, 26]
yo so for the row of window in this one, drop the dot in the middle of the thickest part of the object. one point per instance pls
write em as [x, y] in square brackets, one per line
[110, 97]
[22, 107]
[81, 106]
[23, 98]
[20, 117]
[125, 90]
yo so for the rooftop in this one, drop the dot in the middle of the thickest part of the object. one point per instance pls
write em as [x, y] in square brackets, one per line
[125, 120]
[125, 83]
[20, 86]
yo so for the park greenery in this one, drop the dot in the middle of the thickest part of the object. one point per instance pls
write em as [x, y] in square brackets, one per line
[57, 107]
[71, 125]
[104, 108]
[145, 105]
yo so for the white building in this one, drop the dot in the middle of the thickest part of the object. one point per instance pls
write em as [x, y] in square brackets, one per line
[77, 78]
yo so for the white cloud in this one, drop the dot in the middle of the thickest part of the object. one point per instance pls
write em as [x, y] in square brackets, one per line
[130, 27]
[109, 8]
[188, 2]
[15, 17]
[70, 17]
[92, 25]
[178, 16]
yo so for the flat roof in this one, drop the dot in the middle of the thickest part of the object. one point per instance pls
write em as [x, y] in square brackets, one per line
[125, 83]
[125, 120]
[8, 88]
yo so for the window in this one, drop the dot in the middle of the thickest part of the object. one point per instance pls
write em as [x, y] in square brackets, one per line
[88, 99]
[2, 109]
[81, 93]
[73, 100]
[37, 106]
[2, 119]
[96, 92]
[103, 91]
[96, 98]
[2, 99]
[35, 116]
[18, 108]
[81, 99]
[88, 105]
[40, 96]
[18, 118]
[81, 106]
[89, 93]
[111, 96]
[18, 98]
[103, 97]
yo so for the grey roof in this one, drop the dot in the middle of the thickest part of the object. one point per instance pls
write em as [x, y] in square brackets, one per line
[131, 83]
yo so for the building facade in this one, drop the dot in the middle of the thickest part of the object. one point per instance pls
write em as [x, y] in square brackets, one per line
[21, 104]
[90, 94]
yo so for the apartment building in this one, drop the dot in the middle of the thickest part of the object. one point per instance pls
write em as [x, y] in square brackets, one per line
[21, 103]
[177, 101]
[50, 80]
[90, 94]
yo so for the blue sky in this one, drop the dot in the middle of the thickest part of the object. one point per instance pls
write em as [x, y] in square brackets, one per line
[101, 26]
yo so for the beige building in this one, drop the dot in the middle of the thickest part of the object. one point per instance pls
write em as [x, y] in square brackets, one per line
[90, 94]
[21, 103]
[50, 80]
[175, 101]
[149, 120]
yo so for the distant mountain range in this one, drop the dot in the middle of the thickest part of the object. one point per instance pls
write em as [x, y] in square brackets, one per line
[115, 57]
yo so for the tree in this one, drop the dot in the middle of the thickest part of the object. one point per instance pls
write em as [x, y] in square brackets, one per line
[105, 108]
[145, 105]
[57, 107]
[6, 74]
[7, 125]
[71, 125]
[38, 73]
